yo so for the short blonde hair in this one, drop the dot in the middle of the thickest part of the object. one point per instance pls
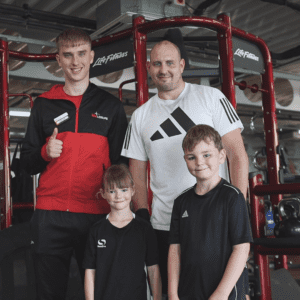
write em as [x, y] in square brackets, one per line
[73, 37]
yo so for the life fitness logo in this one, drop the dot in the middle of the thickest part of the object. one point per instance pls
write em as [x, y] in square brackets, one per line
[245, 54]
[105, 59]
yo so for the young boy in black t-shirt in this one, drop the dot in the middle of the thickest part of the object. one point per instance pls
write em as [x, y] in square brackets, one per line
[119, 246]
[210, 231]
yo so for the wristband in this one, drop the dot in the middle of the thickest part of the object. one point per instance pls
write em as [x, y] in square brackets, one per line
[143, 213]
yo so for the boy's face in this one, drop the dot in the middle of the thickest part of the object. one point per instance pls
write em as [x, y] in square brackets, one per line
[118, 199]
[75, 61]
[204, 160]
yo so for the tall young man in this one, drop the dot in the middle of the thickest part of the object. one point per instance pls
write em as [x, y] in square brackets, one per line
[74, 133]
[156, 131]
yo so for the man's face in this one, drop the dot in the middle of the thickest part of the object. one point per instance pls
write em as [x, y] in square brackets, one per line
[166, 67]
[75, 61]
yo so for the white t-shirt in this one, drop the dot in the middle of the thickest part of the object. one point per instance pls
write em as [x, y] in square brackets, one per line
[156, 131]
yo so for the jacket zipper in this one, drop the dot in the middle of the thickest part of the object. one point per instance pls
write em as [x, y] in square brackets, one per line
[76, 131]
[77, 116]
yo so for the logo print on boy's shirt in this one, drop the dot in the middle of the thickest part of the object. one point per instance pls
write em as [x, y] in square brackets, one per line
[101, 243]
[185, 215]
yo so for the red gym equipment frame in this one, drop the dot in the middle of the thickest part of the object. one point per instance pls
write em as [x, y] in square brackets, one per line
[139, 32]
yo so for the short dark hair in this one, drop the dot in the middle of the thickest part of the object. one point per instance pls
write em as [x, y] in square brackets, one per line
[72, 37]
[200, 133]
[117, 175]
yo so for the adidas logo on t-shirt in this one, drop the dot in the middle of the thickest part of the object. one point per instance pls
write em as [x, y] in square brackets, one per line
[185, 215]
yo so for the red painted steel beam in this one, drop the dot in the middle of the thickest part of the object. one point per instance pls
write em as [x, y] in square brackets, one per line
[140, 61]
[226, 56]
[277, 189]
[124, 34]
[31, 56]
[258, 221]
[262, 261]
[182, 21]
[277, 251]
[257, 208]
[140, 68]
[5, 198]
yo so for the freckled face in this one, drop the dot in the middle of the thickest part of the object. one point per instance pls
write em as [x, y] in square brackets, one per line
[204, 160]
[75, 62]
[165, 67]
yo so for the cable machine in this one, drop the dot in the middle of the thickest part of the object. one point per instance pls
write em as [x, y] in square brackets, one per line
[225, 34]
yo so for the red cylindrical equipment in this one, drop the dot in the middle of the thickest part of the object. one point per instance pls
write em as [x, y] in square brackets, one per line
[140, 61]
[226, 56]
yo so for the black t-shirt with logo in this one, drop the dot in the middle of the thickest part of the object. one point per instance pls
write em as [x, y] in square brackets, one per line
[119, 256]
[207, 227]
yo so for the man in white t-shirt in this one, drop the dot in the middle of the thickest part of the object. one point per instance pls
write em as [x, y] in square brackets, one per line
[156, 131]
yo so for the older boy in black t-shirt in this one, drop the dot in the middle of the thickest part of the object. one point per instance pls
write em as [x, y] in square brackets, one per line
[210, 232]
[120, 246]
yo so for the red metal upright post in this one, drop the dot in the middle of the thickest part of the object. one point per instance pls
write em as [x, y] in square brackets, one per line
[226, 56]
[140, 66]
[5, 198]
[271, 137]
[140, 61]
[258, 222]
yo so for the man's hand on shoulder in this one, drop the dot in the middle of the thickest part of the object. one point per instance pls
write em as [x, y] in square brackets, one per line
[54, 146]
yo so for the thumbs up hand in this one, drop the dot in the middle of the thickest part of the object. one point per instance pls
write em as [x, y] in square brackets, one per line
[54, 146]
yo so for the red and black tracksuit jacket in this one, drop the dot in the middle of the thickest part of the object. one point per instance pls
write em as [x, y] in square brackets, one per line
[92, 140]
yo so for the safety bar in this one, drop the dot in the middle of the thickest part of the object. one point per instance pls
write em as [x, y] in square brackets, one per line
[277, 251]
[276, 189]
[31, 56]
